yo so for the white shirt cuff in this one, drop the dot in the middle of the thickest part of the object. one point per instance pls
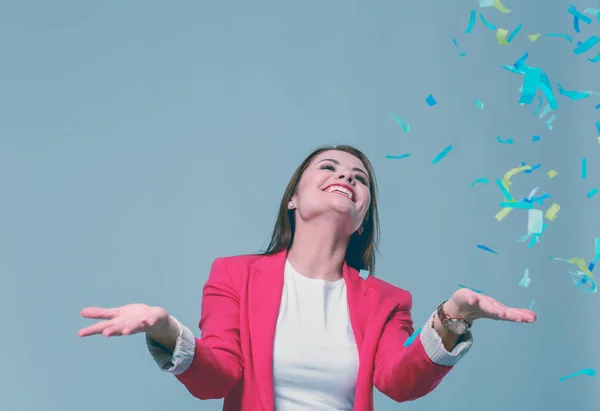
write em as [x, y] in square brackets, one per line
[434, 347]
[182, 356]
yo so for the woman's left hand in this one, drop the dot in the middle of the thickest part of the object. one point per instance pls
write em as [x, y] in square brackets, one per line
[469, 305]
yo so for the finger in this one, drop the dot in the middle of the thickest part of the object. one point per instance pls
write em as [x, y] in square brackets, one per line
[99, 313]
[491, 309]
[94, 329]
[135, 327]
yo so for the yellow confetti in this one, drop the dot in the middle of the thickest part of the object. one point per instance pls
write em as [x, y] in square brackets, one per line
[501, 36]
[580, 262]
[533, 37]
[552, 211]
[510, 173]
[503, 213]
[552, 173]
[498, 5]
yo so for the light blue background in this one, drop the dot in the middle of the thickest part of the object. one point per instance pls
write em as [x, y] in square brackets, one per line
[139, 140]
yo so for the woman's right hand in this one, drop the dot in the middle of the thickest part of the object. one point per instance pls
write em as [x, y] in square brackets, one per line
[125, 320]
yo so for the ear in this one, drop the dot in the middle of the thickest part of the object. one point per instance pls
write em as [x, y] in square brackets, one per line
[360, 230]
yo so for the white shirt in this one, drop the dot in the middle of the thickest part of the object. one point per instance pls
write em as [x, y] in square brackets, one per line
[315, 357]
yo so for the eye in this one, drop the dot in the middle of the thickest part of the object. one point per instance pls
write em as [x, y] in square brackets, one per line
[361, 178]
[327, 167]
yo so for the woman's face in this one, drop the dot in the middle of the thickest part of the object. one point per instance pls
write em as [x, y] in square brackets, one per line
[334, 183]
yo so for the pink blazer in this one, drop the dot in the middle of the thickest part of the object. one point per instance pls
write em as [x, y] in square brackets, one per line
[234, 357]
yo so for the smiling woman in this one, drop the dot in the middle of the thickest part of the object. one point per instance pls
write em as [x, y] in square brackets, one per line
[297, 327]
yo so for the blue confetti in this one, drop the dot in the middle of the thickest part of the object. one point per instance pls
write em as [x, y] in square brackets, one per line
[412, 338]
[430, 101]
[561, 35]
[397, 157]
[472, 289]
[480, 180]
[583, 168]
[485, 248]
[586, 371]
[458, 49]
[486, 23]
[535, 138]
[592, 192]
[507, 141]
[479, 104]
[514, 33]
[441, 155]
[405, 126]
[471, 22]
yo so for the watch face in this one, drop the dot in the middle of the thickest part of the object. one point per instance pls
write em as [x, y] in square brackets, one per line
[457, 327]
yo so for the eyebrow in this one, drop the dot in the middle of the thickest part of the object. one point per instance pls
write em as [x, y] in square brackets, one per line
[360, 170]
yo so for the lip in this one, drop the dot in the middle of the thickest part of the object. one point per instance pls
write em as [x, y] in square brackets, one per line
[346, 186]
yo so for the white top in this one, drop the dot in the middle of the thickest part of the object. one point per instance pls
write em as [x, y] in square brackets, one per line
[315, 357]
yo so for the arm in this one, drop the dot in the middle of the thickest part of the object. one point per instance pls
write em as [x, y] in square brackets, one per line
[407, 373]
[211, 365]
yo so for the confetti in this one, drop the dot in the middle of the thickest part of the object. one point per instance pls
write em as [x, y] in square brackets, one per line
[507, 141]
[487, 23]
[430, 101]
[533, 37]
[479, 104]
[501, 37]
[574, 94]
[566, 36]
[535, 221]
[579, 16]
[597, 255]
[531, 304]
[500, 7]
[412, 338]
[532, 169]
[440, 156]
[486, 3]
[583, 168]
[592, 192]
[405, 126]
[584, 282]
[535, 138]
[472, 19]
[525, 281]
[514, 33]
[552, 211]
[517, 204]
[485, 248]
[397, 157]
[480, 180]
[458, 49]
[552, 173]
[587, 45]
[579, 262]
[472, 289]
[585, 371]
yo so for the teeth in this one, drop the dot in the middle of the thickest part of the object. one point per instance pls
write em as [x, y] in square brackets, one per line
[340, 189]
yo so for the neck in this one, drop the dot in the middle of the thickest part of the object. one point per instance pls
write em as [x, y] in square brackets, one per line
[316, 253]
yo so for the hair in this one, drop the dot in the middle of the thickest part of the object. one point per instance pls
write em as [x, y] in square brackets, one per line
[361, 250]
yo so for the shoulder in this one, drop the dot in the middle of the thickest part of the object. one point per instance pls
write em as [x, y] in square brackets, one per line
[388, 291]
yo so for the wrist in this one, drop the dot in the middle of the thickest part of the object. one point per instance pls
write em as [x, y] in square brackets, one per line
[167, 333]
[453, 311]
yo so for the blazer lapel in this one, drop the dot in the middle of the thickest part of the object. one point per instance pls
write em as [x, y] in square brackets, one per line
[265, 288]
[358, 303]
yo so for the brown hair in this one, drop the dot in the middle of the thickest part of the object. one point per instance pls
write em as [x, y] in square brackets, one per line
[361, 248]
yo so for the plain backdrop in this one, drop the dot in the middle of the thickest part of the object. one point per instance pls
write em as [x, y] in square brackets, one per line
[140, 140]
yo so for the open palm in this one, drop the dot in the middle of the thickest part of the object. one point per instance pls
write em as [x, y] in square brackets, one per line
[125, 320]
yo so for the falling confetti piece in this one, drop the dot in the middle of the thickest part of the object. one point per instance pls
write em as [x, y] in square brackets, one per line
[514, 33]
[405, 126]
[479, 104]
[583, 168]
[566, 36]
[500, 7]
[585, 371]
[507, 141]
[440, 156]
[480, 180]
[525, 281]
[485, 248]
[501, 37]
[487, 23]
[486, 3]
[430, 101]
[531, 304]
[472, 19]
[552, 211]
[584, 282]
[535, 221]
[462, 54]
[412, 338]
[397, 157]
[552, 173]
[472, 289]
[535, 138]
[592, 192]
[533, 37]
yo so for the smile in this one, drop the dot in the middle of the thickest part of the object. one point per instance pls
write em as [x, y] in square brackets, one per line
[341, 190]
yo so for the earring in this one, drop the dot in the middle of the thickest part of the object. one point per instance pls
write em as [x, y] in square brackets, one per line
[360, 231]
[291, 205]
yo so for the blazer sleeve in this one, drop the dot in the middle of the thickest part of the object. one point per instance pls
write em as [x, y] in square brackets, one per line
[217, 362]
[408, 373]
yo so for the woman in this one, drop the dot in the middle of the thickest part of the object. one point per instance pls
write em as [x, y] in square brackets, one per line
[299, 327]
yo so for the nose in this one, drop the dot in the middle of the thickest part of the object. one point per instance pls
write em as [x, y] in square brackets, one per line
[342, 176]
